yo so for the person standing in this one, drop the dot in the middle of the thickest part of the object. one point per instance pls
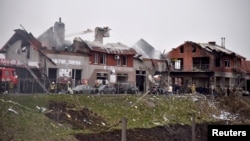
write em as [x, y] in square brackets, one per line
[53, 87]
[193, 88]
[170, 89]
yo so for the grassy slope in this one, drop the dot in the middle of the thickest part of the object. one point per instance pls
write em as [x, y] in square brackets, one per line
[30, 124]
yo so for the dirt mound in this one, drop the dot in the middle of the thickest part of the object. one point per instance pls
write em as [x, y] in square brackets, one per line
[78, 119]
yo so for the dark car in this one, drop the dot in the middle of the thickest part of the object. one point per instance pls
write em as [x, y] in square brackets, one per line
[126, 88]
[84, 89]
[157, 90]
[106, 89]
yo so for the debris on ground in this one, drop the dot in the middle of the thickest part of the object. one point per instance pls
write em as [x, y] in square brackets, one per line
[78, 119]
[87, 119]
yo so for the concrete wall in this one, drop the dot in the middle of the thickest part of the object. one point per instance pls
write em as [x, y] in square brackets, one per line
[14, 52]
[69, 62]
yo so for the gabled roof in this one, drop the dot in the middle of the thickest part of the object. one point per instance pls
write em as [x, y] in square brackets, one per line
[111, 48]
[146, 50]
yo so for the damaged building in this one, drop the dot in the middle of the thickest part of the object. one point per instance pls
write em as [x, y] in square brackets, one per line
[52, 58]
[208, 66]
[22, 52]
[151, 66]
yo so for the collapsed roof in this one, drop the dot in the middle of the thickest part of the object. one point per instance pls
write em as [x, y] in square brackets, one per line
[214, 48]
[111, 48]
[27, 39]
[146, 50]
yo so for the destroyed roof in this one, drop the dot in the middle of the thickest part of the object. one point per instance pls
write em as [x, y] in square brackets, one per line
[21, 35]
[111, 48]
[24, 36]
[146, 50]
[214, 47]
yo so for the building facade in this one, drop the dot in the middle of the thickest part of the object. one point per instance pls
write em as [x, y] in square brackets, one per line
[207, 65]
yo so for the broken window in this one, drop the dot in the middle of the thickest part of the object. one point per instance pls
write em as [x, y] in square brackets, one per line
[28, 52]
[96, 58]
[25, 48]
[193, 49]
[236, 63]
[118, 62]
[124, 60]
[181, 49]
[217, 62]
[177, 64]
[227, 63]
[201, 63]
[102, 58]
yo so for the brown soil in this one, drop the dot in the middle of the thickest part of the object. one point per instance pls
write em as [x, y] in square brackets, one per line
[87, 119]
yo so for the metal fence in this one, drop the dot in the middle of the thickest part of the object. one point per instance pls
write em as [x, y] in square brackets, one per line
[24, 86]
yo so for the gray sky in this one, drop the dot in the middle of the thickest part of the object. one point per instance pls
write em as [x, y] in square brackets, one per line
[165, 24]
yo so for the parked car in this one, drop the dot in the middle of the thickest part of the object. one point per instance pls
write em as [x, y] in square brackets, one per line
[106, 89]
[84, 89]
[245, 93]
[157, 90]
[126, 88]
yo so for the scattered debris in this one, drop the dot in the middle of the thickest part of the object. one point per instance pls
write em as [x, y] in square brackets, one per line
[41, 109]
[12, 110]
[84, 118]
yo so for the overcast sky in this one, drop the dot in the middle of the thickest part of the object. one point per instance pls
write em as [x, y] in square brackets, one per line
[165, 24]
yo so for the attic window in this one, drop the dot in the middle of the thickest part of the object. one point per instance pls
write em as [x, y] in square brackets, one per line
[193, 49]
[181, 49]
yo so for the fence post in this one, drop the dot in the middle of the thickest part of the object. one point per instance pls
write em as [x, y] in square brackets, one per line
[124, 127]
[193, 127]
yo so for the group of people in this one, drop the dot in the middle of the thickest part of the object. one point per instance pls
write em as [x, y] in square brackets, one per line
[56, 88]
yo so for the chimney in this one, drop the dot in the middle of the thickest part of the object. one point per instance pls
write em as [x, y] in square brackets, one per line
[59, 33]
[223, 42]
[212, 43]
[100, 33]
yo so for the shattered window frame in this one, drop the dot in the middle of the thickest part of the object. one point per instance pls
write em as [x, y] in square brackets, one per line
[118, 62]
[227, 63]
[177, 64]
[181, 49]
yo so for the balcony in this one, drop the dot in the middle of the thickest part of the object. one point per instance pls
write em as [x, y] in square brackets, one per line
[200, 67]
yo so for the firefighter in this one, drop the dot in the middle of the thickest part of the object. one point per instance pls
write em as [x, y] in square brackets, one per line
[69, 89]
[52, 87]
[11, 86]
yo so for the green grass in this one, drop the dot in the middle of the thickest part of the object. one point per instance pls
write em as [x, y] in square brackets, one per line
[146, 112]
